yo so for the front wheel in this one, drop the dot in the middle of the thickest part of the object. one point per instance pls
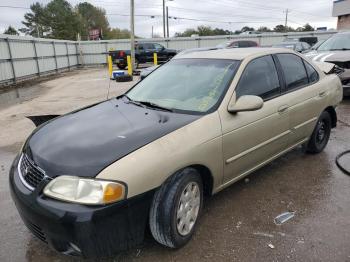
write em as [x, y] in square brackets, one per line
[320, 135]
[176, 208]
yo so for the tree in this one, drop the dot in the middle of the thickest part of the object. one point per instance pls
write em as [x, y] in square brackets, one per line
[307, 28]
[34, 22]
[203, 31]
[62, 20]
[92, 17]
[11, 31]
[55, 20]
[117, 33]
[264, 29]
[279, 28]
[247, 29]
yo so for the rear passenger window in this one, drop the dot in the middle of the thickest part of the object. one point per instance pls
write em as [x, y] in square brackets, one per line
[293, 70]
[260, 79]
[311, 72]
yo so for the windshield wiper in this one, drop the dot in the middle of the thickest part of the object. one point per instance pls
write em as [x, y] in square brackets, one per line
[133, 101]
[153, 105]
[339, 49]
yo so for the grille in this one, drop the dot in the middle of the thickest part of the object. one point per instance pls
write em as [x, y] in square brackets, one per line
[37, 231]
[30, 174]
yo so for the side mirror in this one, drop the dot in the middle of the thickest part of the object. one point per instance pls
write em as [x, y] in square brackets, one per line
[245, 103]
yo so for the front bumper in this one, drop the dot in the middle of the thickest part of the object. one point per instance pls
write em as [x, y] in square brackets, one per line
[89, 231]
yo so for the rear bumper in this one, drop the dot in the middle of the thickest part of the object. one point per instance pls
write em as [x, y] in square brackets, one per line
[89, 231]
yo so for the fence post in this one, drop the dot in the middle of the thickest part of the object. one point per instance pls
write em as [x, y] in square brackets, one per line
[11, 60]
[106, 48]
[36, 57]
[67, 56]
[55, 56]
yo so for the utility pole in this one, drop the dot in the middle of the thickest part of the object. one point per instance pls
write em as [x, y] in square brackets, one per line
[132, 36]
[167, 22]
[286, 22]
[152, 31]
[164, 18]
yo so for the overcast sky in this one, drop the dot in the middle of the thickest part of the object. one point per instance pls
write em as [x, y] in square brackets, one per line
[227, 14]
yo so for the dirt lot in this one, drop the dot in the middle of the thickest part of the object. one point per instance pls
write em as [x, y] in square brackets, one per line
[237, 224]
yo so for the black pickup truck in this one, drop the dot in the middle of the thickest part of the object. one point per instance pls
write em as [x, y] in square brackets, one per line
[143, 54]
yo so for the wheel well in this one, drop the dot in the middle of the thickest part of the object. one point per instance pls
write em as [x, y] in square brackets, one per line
[333, 115]
[207, 178]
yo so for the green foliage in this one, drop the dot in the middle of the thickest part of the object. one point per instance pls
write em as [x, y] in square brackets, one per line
[59, 20]
[203, 31]
[11, 31]
[34, 22]
[92, 17]
[306, 28]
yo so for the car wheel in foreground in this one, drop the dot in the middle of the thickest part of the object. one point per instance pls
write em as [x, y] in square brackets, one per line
[176, 208]
[320, 135]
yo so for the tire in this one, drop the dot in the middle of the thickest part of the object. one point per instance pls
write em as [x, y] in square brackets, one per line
[124, 78]
[165, 225]
[121, 66]
[320, 135]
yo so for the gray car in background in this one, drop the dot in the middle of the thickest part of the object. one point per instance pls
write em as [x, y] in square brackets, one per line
[296, 46]
[336, 50]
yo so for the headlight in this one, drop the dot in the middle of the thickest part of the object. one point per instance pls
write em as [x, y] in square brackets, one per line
[85, 191]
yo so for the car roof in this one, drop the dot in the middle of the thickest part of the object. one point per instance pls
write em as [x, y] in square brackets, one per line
[235, 53]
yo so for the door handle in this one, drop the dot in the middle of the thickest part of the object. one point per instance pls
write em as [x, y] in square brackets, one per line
[322, 93]
[283, 109]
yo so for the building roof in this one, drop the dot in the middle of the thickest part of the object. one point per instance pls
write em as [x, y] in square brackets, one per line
[235, 53]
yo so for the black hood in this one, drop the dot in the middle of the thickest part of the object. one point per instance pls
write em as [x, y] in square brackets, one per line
[84, 142]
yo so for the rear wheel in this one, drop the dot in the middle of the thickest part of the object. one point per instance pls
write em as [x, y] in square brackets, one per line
[320, 135]
[176, 208]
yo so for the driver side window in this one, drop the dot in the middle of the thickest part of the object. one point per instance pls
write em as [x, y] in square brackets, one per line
[259, 78]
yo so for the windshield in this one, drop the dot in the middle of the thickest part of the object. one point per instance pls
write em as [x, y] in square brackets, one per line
[195, 85]
[336, 42]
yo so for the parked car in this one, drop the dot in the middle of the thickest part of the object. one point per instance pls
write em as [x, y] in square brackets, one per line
[336, 50]
[311, 40]
[231, 44]
[143, 53]
[238, 44]
[145, 72]
[90, 182]
[300, 47]
[315, 46]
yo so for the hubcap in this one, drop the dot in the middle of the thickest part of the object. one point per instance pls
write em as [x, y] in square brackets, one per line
[321, 131]
[188, 208]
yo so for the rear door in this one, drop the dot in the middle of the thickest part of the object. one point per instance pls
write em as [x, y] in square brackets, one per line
[306, 95]
[252, 138]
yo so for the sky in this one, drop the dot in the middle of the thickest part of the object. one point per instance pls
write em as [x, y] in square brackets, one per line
[227, 14]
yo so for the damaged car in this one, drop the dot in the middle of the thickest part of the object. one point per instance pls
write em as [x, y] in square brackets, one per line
[91, 182]
[336, 50]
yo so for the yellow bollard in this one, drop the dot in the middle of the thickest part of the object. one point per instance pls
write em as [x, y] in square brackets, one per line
[110, 66]
[128, 59]
[155, 58]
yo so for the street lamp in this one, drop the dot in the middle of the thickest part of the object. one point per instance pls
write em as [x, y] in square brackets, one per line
[164, 30]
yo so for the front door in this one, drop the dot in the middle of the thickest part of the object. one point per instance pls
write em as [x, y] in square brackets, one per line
[252, 138]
